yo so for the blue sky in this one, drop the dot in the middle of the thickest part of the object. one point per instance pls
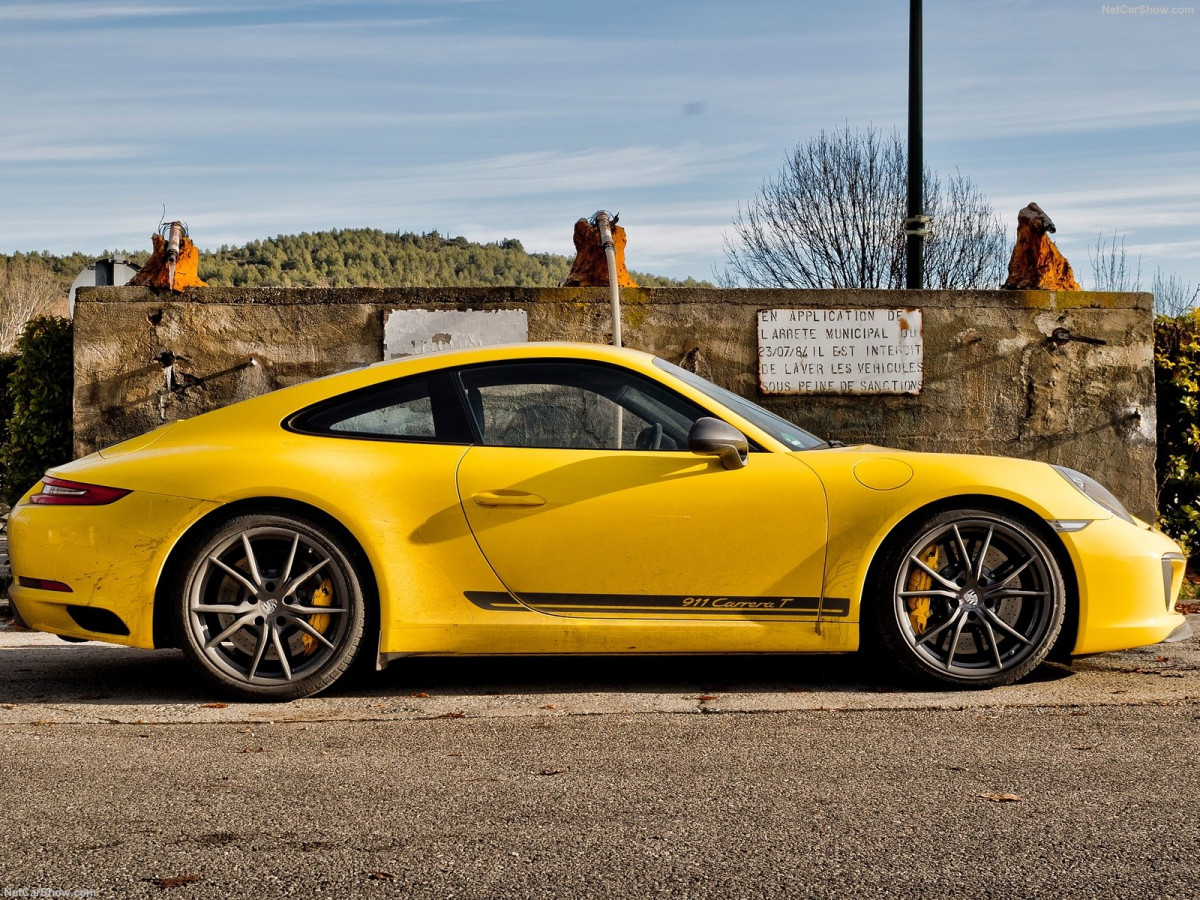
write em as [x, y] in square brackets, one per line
[513, 118]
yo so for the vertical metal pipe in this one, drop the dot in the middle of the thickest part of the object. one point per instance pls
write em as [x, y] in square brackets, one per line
[914, 225]
[614, 290]
[614, 293]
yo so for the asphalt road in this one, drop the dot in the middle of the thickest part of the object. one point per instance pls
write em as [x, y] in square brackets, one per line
[732, 777]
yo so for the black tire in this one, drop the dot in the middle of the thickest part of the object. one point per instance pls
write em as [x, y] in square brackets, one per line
[967, 598]
[269, 606]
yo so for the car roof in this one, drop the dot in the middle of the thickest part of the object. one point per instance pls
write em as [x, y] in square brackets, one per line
[277, 404]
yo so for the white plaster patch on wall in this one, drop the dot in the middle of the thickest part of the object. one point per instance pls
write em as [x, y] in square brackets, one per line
[408, 332]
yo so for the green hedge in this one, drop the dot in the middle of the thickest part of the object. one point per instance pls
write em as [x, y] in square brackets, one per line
[1177, 381]
[8, 362]
[37, 433]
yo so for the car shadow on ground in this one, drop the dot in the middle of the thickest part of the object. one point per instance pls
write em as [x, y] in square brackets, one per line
[53, 672]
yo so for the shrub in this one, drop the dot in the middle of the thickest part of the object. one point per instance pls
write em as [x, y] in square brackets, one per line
[1177, 381]
[39, 433]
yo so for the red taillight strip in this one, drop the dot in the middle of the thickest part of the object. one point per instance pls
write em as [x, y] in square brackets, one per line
[60, 492]
[44, 584]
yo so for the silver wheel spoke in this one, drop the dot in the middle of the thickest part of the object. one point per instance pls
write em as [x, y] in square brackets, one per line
[291, 588]
[231, 609]
[253, 563]
[235, 626]
[921, 564]
[962, 548]
[258, 652]
[291, 560]
[1007, 578]
[992, 642]
[297, 609]
[932, 592]
[283, 660]
[929, 635]
[235, 574]
[309, 630]
[991, 616]
[1013, 592]
[983, 552]
[958, 630]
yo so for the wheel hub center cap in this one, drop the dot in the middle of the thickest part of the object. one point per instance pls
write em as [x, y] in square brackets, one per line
[970, 599]
[269, 606]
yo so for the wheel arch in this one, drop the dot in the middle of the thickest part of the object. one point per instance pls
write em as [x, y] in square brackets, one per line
[163, 632]
[988, 502]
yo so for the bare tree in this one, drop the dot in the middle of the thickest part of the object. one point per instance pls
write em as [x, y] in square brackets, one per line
[832, 218]
[27, 289]
[1172, 295]
[1111, 271]
[1110, 266]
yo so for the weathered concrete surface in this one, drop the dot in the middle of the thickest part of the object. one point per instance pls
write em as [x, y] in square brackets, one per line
[995, 379]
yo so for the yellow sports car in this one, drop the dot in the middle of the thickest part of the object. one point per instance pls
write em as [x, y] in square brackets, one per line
[559, 498]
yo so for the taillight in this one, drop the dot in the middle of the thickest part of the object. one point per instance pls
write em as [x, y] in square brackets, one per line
[60, 492]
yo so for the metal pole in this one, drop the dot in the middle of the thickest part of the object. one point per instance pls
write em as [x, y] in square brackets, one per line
[603, 222]
[914, 225]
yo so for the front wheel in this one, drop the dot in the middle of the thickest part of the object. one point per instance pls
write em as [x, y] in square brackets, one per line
[970, 598]
[270, 606]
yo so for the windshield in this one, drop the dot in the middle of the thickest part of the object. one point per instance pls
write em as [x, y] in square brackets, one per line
[778, 427]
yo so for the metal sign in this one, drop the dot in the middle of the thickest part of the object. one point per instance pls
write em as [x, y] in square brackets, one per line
[407, 332]
[840, 351]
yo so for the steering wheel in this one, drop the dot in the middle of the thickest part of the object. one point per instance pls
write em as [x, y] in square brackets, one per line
[651, 437]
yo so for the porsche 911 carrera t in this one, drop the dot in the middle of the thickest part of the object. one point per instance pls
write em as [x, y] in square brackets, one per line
[559, 498]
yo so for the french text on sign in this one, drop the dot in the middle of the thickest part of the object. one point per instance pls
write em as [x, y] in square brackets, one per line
[840, 351]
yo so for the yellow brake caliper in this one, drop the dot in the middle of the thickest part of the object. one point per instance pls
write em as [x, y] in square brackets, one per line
[322, 596]
[918, 607]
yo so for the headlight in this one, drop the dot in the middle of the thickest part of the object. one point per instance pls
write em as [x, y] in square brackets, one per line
[1096, 492]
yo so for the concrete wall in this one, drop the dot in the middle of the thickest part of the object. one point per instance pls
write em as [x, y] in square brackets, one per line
[994, 381]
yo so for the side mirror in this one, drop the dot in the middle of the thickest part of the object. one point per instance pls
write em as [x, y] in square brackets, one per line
[712, 437]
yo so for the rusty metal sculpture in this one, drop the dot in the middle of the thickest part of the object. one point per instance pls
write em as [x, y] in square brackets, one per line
[590, 268]
[173, 264]
[1036, 264]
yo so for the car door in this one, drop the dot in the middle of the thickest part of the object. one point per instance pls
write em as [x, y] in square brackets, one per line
[585, 500]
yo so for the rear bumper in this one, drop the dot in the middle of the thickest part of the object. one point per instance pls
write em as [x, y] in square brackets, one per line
[109, 557]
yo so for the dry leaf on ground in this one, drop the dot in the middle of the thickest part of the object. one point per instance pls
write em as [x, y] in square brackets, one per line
[1002, 798]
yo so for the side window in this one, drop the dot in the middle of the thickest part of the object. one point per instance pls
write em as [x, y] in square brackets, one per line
[413, 409]
[575, 405]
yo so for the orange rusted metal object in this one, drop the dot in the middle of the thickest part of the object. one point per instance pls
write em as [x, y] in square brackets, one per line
[173, 264]
[590, 268]
[1036, 264]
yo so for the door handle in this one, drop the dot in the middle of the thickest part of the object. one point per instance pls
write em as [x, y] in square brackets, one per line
[502, 498]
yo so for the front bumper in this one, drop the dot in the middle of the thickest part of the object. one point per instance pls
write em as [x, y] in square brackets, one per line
[1129, 581]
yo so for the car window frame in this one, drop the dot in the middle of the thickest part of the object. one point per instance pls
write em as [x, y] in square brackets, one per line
[632, 374]
[451, 422]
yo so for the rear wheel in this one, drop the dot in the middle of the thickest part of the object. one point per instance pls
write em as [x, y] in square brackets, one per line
[270, 606]
[970, 598]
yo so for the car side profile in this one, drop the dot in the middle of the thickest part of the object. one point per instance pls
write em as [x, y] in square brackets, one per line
[570, 498]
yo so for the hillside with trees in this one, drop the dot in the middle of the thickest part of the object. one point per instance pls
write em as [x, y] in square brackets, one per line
[30, 283]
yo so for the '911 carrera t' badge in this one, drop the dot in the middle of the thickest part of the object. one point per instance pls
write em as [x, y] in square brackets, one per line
[659, 605]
